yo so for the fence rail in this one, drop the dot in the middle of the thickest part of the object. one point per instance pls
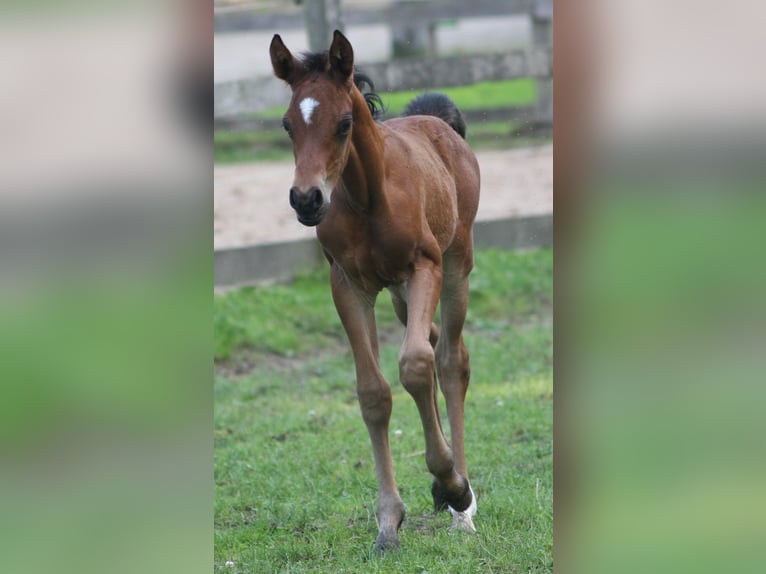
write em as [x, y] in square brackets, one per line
[246, 96]
[424, 73]
[279, 261]
[243, 97]
[247, 124]
[252, 18]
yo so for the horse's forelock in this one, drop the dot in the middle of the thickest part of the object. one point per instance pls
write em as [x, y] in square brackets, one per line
[314, 62]
[317, 63]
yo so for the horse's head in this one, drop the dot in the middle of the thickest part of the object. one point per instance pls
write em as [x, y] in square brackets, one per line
[319, 121]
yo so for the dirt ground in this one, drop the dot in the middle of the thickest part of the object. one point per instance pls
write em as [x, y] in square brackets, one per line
[251, 205]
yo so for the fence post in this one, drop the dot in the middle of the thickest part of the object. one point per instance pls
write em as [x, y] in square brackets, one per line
[321, 17]
[542, 37]
[334, 16]
[410, 37]
[315, 13]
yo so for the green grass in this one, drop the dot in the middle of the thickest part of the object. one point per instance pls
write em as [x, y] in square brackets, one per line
[273, 144]
[484, 95]
[295, 481]
[241, 147]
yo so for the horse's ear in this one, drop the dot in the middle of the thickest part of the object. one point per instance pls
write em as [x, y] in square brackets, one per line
[341, 55]
[282, 60]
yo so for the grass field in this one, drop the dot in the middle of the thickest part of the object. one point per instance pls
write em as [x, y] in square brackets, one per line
[518, 92]
[295, 481]
[273, 144]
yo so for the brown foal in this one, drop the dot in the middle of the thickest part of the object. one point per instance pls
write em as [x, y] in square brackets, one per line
[394, 205]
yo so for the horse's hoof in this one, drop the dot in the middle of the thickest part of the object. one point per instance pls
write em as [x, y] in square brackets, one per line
[462, 521]
[387, 539]
[386, 543]
[442, 500]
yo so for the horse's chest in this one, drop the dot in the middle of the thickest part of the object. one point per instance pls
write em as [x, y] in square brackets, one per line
[372, 262]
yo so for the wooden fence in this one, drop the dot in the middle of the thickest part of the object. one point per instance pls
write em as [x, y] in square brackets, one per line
[238, 98]
[512, 113]
[243, 97]
[418, 12]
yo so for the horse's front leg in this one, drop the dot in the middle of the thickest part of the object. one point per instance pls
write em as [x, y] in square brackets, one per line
[356, 311]
[416, 371]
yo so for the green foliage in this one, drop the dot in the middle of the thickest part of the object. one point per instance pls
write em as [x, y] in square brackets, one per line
[295, 480]
[668, 307]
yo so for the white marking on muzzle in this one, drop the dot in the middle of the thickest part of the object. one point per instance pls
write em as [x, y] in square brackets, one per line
[307, 106]
[326, 191]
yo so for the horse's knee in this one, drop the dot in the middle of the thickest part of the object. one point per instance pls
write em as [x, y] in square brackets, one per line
[376, 403]
[416, 368]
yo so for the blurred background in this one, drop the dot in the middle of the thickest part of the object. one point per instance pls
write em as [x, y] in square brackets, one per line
[105, 278]
[660, 285]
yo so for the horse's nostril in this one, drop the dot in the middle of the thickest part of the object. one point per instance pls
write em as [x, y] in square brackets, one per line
[316, 198]
[312, 199]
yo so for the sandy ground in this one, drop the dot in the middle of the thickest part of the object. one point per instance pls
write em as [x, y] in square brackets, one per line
[251, 205]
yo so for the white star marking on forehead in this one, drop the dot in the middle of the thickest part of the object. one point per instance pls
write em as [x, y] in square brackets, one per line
[307, 106]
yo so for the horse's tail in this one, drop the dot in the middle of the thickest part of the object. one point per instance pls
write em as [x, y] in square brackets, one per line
[439, 105]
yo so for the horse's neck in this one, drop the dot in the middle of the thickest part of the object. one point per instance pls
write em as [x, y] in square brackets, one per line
[364, 171]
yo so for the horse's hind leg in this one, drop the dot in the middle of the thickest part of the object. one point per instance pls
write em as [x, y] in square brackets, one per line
[452, 363]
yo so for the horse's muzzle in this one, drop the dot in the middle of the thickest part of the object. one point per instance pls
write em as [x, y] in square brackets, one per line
[309, 205]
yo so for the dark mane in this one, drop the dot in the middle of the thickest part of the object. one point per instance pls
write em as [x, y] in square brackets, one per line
[374, 102]
[316, 62]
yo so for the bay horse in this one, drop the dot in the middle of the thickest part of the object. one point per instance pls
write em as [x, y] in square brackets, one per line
[393, 204]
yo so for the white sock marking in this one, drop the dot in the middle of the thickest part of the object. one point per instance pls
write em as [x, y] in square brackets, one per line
[463, 521]
[307, 106]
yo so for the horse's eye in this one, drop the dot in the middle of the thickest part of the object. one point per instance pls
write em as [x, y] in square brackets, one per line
[344, 127]
[288, 129]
